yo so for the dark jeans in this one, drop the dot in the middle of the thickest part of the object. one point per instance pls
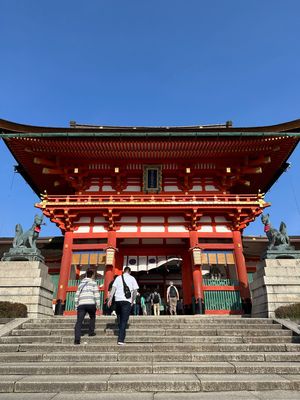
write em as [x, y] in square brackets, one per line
[109, 310]
[123, 309]
[81, 312]
[136, 309]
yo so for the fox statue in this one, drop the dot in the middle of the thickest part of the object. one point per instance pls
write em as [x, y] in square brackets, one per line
[28, 238]
[276, 237]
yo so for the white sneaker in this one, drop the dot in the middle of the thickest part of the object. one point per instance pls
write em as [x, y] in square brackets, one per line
[121, 343]
[114, 313]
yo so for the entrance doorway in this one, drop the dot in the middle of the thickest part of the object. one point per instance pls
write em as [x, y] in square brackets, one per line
[154, 273]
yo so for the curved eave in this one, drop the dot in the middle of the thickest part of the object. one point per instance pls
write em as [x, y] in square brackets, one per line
[137, 135]
[8, 127]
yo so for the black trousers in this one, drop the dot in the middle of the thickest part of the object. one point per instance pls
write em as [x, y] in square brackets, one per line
[123, 309]
[81, 312]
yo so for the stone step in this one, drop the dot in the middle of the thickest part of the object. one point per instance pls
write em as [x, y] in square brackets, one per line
[149, 348]
[30, 339]
[194, 319]
[157, 320]
[292, 347]
[149, 357]
[139, 357]
[155, 367]
[267, 367]
[147, 383]
[4, 348]
[90, 347]
[282, 357]
[178, 339]
[146, 325]
[151, 339]
[35, 332]
[204, 319]
[271, 339]
[229, 395]
[111, 332]
[249, 382]
[155, 332]
[119, 367]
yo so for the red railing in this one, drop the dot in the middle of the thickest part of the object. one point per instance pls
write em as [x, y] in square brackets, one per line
[150, 198]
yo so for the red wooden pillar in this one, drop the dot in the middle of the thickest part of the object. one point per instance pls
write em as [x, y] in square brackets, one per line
[197, 274]
[109, 268]
[187, 279]
[240, 263]
[64, 275]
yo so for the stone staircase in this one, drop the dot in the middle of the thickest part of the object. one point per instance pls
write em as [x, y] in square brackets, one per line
[162, 354]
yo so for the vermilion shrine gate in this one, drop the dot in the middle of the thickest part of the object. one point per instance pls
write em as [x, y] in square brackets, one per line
[169, 202]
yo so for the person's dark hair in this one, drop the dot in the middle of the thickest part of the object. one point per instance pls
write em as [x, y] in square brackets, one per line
[89, 273]
[127, 269]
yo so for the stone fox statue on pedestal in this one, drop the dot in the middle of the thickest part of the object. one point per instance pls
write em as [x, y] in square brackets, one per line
[28, 239]
[277, 238]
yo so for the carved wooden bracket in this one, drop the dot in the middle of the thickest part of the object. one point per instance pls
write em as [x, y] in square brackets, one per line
[111, 217]
[194, 217]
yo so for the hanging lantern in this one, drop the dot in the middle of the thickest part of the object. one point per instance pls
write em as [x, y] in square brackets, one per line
[196, 251]
[110, 255]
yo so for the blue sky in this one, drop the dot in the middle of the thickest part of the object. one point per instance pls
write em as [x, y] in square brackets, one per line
[142, 62]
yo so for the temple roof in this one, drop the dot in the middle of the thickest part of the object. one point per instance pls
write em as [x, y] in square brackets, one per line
[48, 155]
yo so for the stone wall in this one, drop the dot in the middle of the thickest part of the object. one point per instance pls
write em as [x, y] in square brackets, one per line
[276, 283]
[29, 283]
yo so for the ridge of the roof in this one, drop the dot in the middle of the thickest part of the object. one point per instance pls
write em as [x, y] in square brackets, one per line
[9, 126]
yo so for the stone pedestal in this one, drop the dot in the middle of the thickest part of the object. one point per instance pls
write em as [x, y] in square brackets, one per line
[29, 283]
[289, 253]
[23, 253]
[276, 283]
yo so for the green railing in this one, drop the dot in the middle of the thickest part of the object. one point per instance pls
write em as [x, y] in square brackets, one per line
[54, 279]
[70, 300]
[222, 300]
[250, 276]
[228, 300]
[76, 282]
[220, 282]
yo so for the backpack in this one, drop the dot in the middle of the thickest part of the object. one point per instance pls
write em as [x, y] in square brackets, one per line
[156, 298]
[172, 292]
